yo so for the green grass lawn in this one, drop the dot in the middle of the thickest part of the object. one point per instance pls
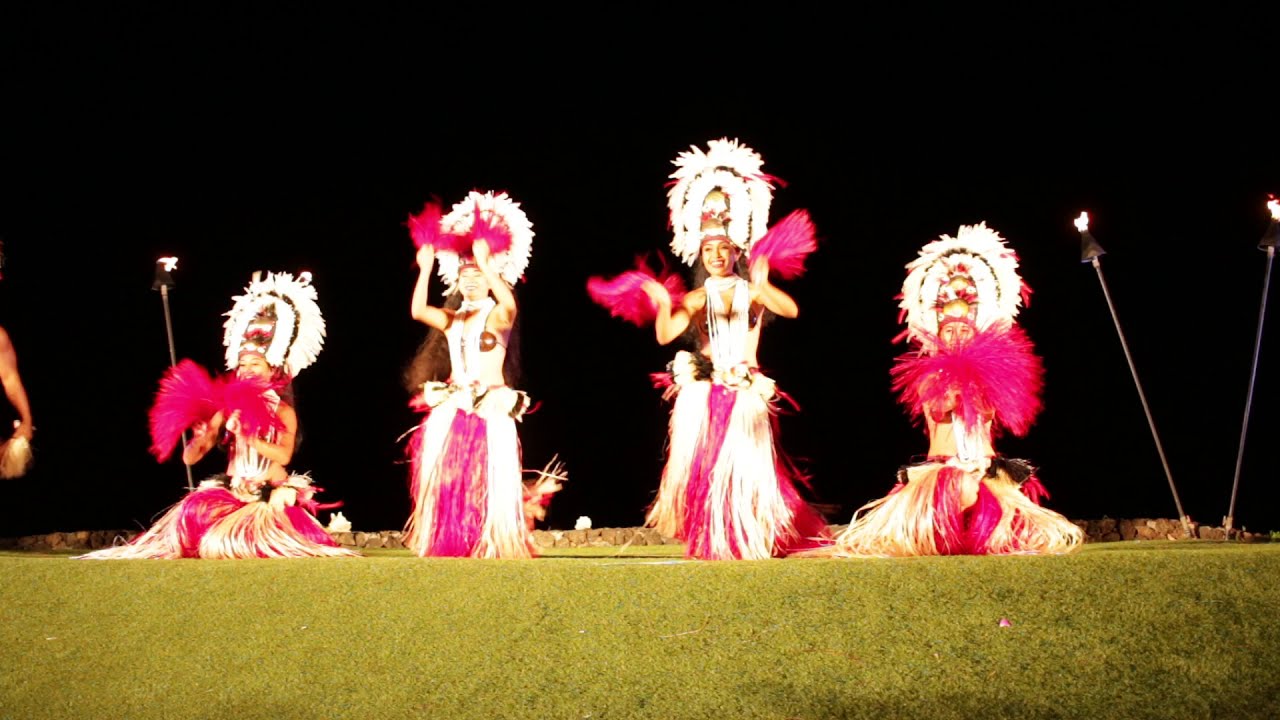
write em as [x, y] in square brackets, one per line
[1185, 629]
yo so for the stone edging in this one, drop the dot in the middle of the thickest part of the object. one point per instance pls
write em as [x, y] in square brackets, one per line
[1102, 530]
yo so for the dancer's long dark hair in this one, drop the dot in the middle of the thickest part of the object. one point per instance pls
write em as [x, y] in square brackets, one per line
[431, 361]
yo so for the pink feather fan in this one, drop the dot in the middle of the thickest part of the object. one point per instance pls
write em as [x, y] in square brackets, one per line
[997, 370]
[187, 395]
[787, 244]
[424, 228]
[624, 296]
[248, 395]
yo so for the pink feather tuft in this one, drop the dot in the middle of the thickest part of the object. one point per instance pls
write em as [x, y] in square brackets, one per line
[455, 243]
[489, 227]
[247, 394]
[1034, 490]
[669, 279]
[424, 227]
[997, 371]
[662, 380]
[787, 244]
[624, 296]
[187, 395]
[419, 404]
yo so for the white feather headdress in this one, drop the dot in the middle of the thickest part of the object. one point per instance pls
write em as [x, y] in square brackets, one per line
[978, 253]
[277, 317]
[497, 209]
[731, 168]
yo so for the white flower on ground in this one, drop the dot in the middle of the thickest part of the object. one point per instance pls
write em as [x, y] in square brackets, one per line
[338, 523]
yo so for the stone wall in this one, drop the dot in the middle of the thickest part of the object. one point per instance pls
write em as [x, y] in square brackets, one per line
[1102, 530]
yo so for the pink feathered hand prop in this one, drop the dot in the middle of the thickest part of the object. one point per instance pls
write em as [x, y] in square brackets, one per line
[248, 396]
[187, 395]
[624, 295]
[424, 228]
[787, 244]
[486, 226]
[997, 370]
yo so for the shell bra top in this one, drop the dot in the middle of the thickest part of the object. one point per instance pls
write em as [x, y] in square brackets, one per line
[468, 337]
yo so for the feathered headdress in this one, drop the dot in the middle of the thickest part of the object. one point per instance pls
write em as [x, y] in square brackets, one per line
[721, 191]
[972, 276]
[277, 318]
[492, 217]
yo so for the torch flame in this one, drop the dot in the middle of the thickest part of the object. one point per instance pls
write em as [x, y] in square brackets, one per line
[1082, 222]
[1274, 206]
[169, 263]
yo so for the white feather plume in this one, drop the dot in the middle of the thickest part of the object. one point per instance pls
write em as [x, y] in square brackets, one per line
[511, 263]
[735, 170]
[299, 332]
[984, 257]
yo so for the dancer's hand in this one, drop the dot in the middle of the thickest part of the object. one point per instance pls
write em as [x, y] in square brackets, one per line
[949, 402]
[657, 292]
[426, 256]
[480, 250]
[233, 423]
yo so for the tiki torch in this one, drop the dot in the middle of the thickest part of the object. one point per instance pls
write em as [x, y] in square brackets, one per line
[163, 281]
[1090, 251]
[1267, 245]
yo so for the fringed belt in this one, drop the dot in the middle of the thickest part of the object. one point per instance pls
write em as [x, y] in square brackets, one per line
[487, 402]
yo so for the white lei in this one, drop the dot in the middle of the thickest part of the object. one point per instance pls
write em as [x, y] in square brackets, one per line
[727, 329]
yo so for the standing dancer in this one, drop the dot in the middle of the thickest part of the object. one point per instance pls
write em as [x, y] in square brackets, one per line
[258, 508]
[727, 490]
[467, 488]
[15, 449]
[972, 374]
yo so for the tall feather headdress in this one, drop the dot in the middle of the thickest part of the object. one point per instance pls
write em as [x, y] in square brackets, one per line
[493, 217]
[278, 318]
[974, 270]
[731, 169]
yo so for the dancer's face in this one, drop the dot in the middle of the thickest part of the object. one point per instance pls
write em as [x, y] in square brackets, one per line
[718, 255]
[955, 334]
[472, 283]
[252, 365]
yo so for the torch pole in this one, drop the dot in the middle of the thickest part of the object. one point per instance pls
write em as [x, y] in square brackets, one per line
[1268, 244]
[162, 282]
[1090, 252]
[1164, 462]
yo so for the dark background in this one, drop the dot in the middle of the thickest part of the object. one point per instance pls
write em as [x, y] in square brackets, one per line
[291, 139]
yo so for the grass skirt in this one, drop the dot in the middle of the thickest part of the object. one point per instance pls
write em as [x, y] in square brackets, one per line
[211, 522]
[924, 515]
[467, 481]
[727, 491]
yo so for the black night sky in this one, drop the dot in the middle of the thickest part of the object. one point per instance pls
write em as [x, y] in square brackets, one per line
[290, 142]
